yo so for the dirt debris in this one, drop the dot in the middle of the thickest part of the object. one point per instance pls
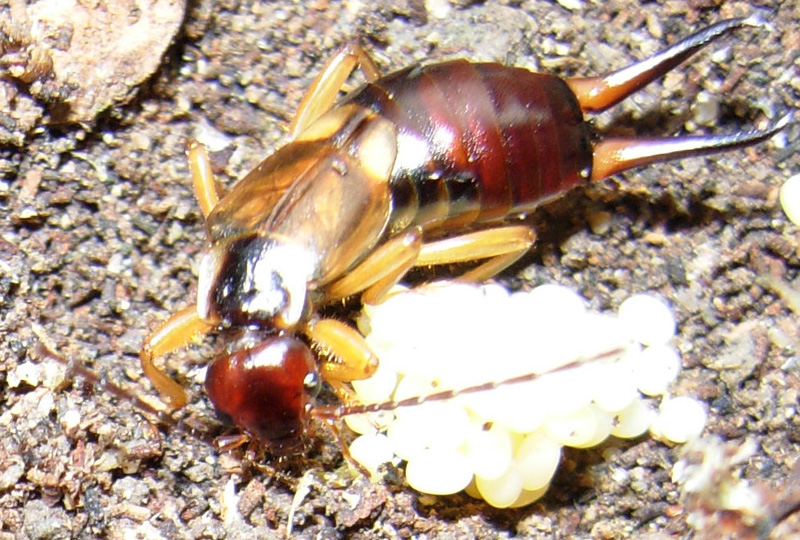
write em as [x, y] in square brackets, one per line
[66, 62]
[100, 234]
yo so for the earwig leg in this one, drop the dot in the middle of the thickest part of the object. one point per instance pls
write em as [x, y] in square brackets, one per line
[378, 290]
[323, 92]
[333, 426]
[205, 186]
[352, 359]
[614, 155]
[178, 331]
[599, 93]
[503, 245]
[343, 391]
[385, 266]
[492, 267]
[226, 443]
[388, 264]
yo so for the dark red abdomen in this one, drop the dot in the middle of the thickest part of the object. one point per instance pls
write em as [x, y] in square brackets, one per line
[478, 142]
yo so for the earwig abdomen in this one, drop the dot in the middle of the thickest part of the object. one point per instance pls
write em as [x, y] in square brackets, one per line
[478, 142]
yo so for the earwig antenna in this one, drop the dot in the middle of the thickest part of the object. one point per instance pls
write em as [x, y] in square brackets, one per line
[329, 412]
[100, 381]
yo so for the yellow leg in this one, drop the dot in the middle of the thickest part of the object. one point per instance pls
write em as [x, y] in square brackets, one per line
[205, 187]
[334, 427]
[386, 265]
[348, 358]
[178, 331]
[501, 245]
[492, 267]
[389, 263]
[377, 291]
[477, 245]
[322, 93]
[347, 355]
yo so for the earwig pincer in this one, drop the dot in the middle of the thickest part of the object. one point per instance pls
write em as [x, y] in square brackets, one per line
[428, 165]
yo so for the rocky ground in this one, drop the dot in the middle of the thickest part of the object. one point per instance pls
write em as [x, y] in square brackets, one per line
[99, 234]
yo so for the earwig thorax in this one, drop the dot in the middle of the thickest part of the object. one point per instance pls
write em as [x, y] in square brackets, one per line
[250, 280]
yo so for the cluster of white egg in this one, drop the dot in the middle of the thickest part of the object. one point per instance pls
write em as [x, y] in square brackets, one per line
[504, 444]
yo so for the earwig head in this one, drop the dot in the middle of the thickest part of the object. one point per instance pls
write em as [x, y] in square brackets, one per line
[251, 280]
[266, 389]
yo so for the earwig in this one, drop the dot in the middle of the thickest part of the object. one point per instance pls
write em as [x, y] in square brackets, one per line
[425, 166]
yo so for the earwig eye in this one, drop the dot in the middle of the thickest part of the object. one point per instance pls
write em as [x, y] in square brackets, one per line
[312, 384]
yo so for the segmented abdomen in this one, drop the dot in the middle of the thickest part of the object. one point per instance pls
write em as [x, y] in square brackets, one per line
[478, 142]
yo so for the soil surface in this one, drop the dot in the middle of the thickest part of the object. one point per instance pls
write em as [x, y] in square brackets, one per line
[100, 233]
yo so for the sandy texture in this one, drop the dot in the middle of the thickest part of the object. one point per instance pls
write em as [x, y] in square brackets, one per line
[100, 234]
[68, 61]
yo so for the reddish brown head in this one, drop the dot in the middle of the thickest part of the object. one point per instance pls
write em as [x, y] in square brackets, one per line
[267, 389]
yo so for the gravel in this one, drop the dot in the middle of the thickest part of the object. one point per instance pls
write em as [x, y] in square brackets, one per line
[100, 235]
